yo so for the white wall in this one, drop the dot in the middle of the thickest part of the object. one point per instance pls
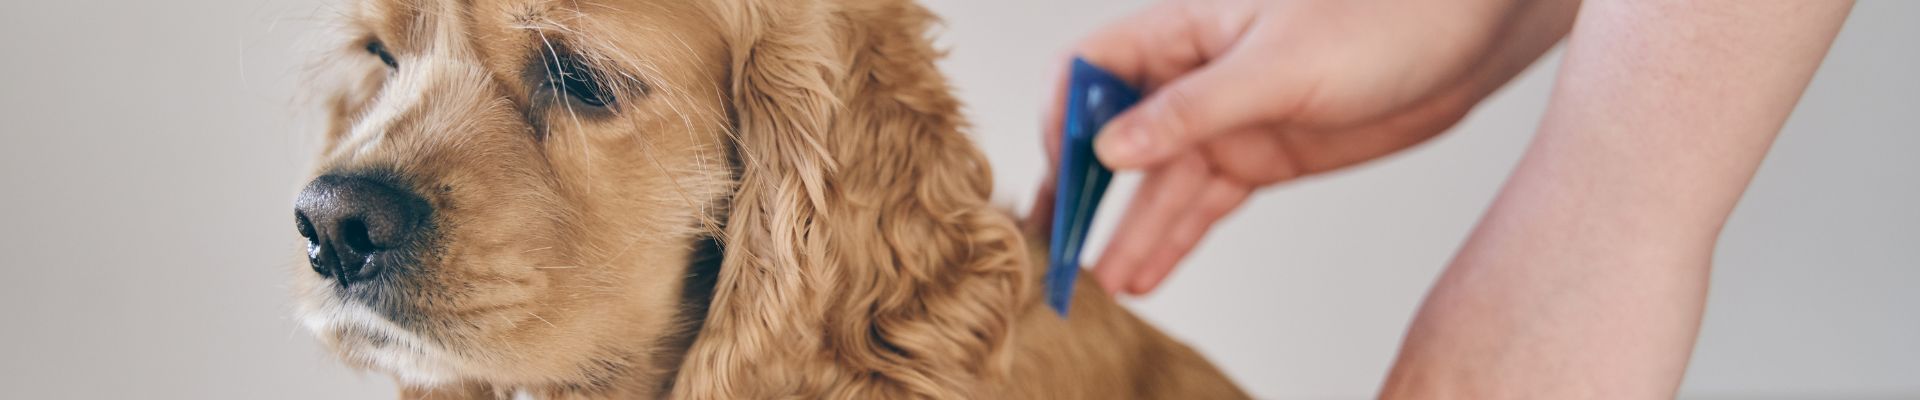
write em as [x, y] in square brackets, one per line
[150, 152]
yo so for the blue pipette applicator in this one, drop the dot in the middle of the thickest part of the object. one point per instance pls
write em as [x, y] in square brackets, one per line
[1094, 96]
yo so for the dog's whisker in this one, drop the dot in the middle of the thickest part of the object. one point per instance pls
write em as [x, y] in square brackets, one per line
[672, 178]
[686, 123]
[553, 79]
[293, 330]
[537, 316]
[559, 267]
[537, 249]
[604, 6]
[686, 119]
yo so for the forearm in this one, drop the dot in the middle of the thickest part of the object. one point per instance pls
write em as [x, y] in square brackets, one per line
[1588, 276]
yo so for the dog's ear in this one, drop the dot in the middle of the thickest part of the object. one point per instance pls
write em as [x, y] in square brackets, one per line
[863, 257]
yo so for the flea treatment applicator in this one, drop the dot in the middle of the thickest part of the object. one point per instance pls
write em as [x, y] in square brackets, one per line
[1094, 96]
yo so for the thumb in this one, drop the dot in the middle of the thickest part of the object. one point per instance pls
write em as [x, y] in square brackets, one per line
[1224, 96]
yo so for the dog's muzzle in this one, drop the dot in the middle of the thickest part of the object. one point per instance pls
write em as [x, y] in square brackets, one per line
[359, 228]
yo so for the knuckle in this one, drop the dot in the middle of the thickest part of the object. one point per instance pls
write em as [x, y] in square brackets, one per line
[1176, 115]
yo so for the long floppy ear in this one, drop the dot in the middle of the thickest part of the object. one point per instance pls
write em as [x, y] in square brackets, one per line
[863, 257]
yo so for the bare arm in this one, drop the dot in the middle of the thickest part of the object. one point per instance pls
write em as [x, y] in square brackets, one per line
[1588, 276]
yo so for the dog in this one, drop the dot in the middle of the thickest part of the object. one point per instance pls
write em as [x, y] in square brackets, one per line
[708, 199]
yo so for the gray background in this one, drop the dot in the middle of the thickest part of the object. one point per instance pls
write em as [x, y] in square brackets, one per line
[151, 150]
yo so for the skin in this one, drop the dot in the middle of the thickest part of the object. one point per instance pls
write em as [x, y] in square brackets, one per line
[1587, 277]
[1613, 213]
[1361, 90]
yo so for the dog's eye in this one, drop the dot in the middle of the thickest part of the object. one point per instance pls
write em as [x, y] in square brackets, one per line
[378, 49]
[567, 74]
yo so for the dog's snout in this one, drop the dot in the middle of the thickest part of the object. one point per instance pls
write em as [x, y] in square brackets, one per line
[357, 227]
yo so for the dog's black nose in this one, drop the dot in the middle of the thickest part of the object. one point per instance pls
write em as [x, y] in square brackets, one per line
[356, 227]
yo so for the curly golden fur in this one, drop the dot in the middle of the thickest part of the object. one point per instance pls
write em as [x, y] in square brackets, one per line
[771, 199]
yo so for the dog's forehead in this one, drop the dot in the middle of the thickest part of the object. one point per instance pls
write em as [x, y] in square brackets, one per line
[505, 34]
[417, 20]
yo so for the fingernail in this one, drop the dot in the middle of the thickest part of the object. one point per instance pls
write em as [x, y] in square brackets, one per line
[1118, 144]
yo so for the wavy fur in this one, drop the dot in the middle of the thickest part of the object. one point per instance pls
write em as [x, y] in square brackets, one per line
[862, 258]
[881, 273]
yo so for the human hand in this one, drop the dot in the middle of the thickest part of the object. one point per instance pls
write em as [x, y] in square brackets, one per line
[1243, 94]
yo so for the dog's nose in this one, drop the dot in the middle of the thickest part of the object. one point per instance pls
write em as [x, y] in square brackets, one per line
[354, 225]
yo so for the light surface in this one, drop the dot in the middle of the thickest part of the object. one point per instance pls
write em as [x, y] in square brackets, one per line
[150, 150]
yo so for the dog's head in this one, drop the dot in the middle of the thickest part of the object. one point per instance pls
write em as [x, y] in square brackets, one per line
[720, 198]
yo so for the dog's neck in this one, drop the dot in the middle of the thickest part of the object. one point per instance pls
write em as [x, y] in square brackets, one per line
[653, 374]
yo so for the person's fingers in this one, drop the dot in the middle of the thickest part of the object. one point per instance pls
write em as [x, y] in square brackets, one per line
[1226, 96]
[1256, 157]
[1161, 197]
[1220, 197]
[1164, 41]
[1161, 50]
[1312, 152]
